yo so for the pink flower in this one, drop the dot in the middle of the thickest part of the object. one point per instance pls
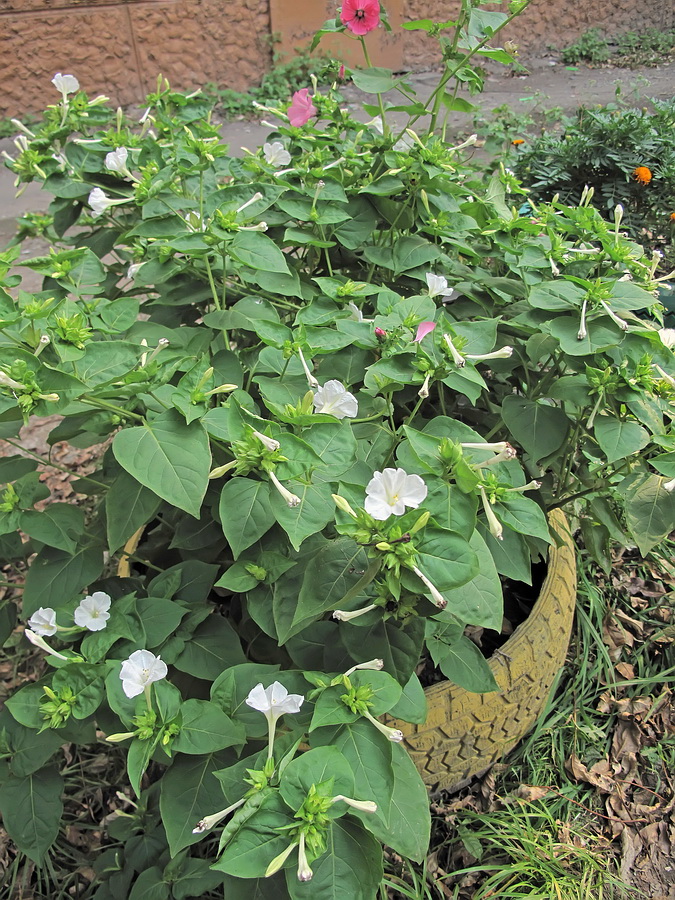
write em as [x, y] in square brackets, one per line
[301, 109]
[360, 16]
[341, 72]
[380, 334]
[423, 329]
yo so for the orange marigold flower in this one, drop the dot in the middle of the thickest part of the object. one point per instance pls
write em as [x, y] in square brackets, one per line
[642, 174]
[517, 141]
[672, 217]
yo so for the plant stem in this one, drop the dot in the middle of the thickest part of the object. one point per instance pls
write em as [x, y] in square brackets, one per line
[51, 465]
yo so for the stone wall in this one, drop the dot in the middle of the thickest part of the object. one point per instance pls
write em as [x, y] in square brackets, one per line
[118, 47]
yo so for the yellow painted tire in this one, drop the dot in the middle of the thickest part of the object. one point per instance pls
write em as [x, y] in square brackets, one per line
[466, 733]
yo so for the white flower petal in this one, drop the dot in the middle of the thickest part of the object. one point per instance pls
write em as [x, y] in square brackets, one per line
[43, 621]
[389, 492]
[334, 399]
[274, 700]
[92, 613]
[65, 84]
[276, 154]
[141, 669]
[116, 160]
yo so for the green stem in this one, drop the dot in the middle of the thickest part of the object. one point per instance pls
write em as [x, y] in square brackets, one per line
[51, 465]
[119, 410]
[212, 283]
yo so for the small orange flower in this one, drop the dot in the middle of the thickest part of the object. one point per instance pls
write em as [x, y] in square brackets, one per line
[517, 142]
[672, 217]
[642, 174]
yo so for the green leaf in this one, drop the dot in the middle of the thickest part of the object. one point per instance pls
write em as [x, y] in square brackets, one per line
[31, 811]
[254, 249]
[55, 576]
[258, 841]
[30, 750]
[446, 558]
[169, 457]
[106, 361]
[150, 885]
[138, 759]
[399, 646]
[190, 791]
[374, 80]
[461, 661]
[160, 618]
[331, 572]
[128, 506]
[350, 869]
[538, 428]
[205, 728]
[213, 648]
[57, 525]
[650, 510]
[369, 754]
[314, 511]
[479, 601]
[407, 814]
[314, 767]
[245, 512]
[618, 438]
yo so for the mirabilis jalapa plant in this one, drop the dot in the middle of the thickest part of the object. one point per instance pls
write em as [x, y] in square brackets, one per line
[342, 380]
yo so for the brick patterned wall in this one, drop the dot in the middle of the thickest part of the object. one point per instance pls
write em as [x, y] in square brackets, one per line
[117, 47]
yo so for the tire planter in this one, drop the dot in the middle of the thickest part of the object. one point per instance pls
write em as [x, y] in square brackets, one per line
[466, 733]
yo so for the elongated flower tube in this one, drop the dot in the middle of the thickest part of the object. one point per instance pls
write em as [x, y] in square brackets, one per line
[292, 500]
[304, 870]
[530, 486]
[342, 615]
[436, 597]
[496, 446]
[623, 325]
[507, 453]
[495, 526]
[392, 734]
[219, 471]
[423, 392]
[40, 642]
[376, 664]
[457, 357]
[162, 344]
[279, 860]
[581, 333]
[361, 805]
[209, 822]
[270, 443]
[42, 343]
[311, 380]
[6, 381]
[504, 353]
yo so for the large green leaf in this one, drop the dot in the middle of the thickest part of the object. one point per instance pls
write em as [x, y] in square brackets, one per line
[205, 728]
[314, 511]
[350, 869]
[55, 576]
[31, 811]
[650, 509]
[479, 601]
[128, 506]
[213, 648]
[245, 512]
[538, 428]
[190, 791]
[407, 814]
[58, 525]
[619, 438]
[258, 251]
[169, 457]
